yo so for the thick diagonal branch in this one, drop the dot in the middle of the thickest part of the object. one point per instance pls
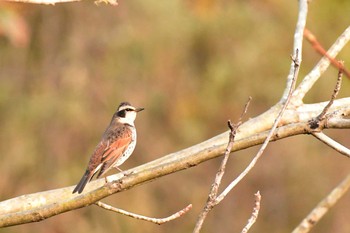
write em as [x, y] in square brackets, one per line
[38, 206]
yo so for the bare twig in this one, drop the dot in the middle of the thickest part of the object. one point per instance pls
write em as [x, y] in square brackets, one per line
[255, 213]
[333, 144]
[246, 106]
[310, 79]
[322, 208]
[158, 221]
[298, 45]
[211, 202]
[212, 199]
[318, 47]
[319, 120]
[269, 136]
[335, 93]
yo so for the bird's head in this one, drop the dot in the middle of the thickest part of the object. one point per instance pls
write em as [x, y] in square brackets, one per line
[126, 113]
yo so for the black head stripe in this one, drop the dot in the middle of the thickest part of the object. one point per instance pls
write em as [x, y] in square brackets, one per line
[121, 113]
[123, 108]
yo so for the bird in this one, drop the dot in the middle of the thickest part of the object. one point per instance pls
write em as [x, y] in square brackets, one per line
[115, 147]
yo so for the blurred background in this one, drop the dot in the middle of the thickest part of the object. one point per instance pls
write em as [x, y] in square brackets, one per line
[64, 69]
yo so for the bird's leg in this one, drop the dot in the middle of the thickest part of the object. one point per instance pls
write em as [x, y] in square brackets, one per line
[124, 173]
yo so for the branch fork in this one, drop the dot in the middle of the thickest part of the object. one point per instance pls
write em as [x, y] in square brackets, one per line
[53, 202]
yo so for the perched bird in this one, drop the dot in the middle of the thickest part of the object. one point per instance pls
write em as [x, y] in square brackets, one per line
[117, 144]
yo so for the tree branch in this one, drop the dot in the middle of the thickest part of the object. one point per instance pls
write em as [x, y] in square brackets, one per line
[213, 199]
[311, 78]
[316, 124]
[297, 47]
[318, 47]
[38, 206]
[269, 126]
[158, 221]
[269, 136]
[255, 213]
[331, 143]
[322, 208]
[211, 202]
[334, 95]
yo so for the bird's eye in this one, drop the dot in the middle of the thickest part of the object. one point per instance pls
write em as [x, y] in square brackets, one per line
[121, 113]
[129, 109]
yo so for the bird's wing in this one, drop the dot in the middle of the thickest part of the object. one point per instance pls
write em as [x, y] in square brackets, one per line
[114, 150]
[95, 160]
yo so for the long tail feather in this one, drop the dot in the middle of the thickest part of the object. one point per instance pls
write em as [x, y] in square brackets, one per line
[81, 185]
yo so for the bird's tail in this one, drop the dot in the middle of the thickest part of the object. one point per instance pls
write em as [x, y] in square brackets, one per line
[81, 185]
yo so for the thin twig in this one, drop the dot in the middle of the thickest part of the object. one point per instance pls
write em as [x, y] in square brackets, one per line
[310, 79]
[255, 213]
[322, 208]
[335, 92]
[211, 202]
[246, 106]
[297, 46]
[158, 221]
[212, 199]
[269, 136]
[319, 48]
[319, 120]
[333, 144]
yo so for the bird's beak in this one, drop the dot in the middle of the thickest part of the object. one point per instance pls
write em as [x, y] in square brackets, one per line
[139, 109]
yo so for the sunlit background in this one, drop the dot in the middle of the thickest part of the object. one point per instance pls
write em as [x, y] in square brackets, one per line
[192, 64]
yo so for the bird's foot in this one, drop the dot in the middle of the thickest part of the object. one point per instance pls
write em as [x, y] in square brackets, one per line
[128, 173]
